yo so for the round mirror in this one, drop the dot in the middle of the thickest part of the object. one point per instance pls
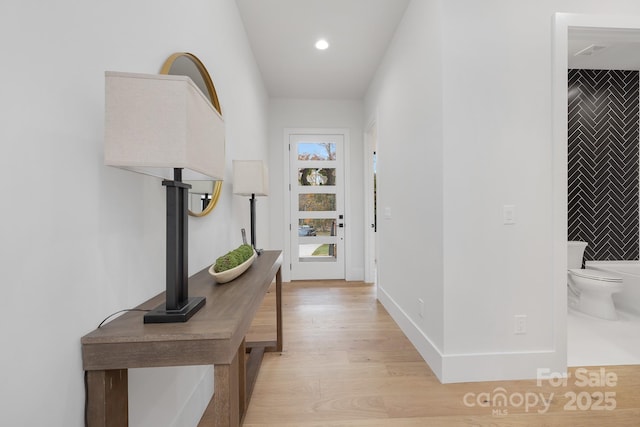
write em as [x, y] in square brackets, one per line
[204, 195]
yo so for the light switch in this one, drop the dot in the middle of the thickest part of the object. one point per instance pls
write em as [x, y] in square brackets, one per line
[387, 213]
[509, 214]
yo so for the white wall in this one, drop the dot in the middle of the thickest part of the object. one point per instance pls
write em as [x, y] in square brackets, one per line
[81, 240]
[318, 113]
[504, 153]
[485, 141]
[406, 100]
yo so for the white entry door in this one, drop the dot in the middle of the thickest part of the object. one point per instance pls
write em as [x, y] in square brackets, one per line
[316, 164]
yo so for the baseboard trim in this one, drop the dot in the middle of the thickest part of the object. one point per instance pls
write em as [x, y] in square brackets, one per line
[476, 367]
[472, 367]
[355, 274]
[427, 349]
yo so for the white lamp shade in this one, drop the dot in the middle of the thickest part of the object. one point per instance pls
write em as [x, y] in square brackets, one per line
[155, 123]
[250, 177]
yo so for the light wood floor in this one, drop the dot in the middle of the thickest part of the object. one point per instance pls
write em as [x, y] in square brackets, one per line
[346, 363]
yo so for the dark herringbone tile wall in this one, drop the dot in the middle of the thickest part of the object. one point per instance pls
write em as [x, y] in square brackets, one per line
[603, 163]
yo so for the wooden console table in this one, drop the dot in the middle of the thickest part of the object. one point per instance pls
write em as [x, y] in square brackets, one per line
[213, 336]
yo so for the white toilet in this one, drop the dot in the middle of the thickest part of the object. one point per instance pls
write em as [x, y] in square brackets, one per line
[592, 289]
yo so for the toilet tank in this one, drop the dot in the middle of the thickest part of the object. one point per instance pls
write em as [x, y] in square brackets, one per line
[575, 252]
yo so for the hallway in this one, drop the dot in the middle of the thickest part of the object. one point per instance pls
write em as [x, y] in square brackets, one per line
[346, 363]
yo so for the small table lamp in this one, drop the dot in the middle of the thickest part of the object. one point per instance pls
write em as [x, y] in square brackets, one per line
[251, 178]
[162, 125]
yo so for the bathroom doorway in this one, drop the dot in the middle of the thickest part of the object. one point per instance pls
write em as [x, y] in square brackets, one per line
[370, 200]
[589, 341]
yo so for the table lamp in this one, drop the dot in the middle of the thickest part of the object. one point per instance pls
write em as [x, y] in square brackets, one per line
[251, 178]
[162, 125]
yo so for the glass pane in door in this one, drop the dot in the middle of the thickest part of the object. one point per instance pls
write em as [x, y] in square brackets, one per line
[317, 176]
[319, 202]
[316, 151]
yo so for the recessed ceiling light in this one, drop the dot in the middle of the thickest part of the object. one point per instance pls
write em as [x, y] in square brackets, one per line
[322, 44]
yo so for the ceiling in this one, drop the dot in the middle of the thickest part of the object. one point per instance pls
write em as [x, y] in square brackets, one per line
[618, 49]
[282, 34]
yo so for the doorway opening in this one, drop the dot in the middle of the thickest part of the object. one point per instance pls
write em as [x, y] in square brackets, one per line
[583, 335]
[370, 200]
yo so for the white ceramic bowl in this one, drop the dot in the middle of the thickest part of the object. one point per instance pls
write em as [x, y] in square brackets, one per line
[232, 273]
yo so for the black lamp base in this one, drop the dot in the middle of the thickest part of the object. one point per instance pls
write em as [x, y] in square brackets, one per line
[252, 206]
[160, 314]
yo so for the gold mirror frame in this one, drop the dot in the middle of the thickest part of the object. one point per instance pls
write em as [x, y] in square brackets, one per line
[198, 71]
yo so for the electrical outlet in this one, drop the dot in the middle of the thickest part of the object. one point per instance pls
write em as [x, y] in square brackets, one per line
[420, 307]
[520, 324]
[509, 214]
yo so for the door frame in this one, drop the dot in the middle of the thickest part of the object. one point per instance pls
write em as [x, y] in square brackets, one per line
[370, 241]
[348, 241]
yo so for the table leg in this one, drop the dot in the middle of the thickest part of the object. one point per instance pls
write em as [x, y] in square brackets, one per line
[279, 309]
[226, 394]
[242, 378]
[107, 398]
